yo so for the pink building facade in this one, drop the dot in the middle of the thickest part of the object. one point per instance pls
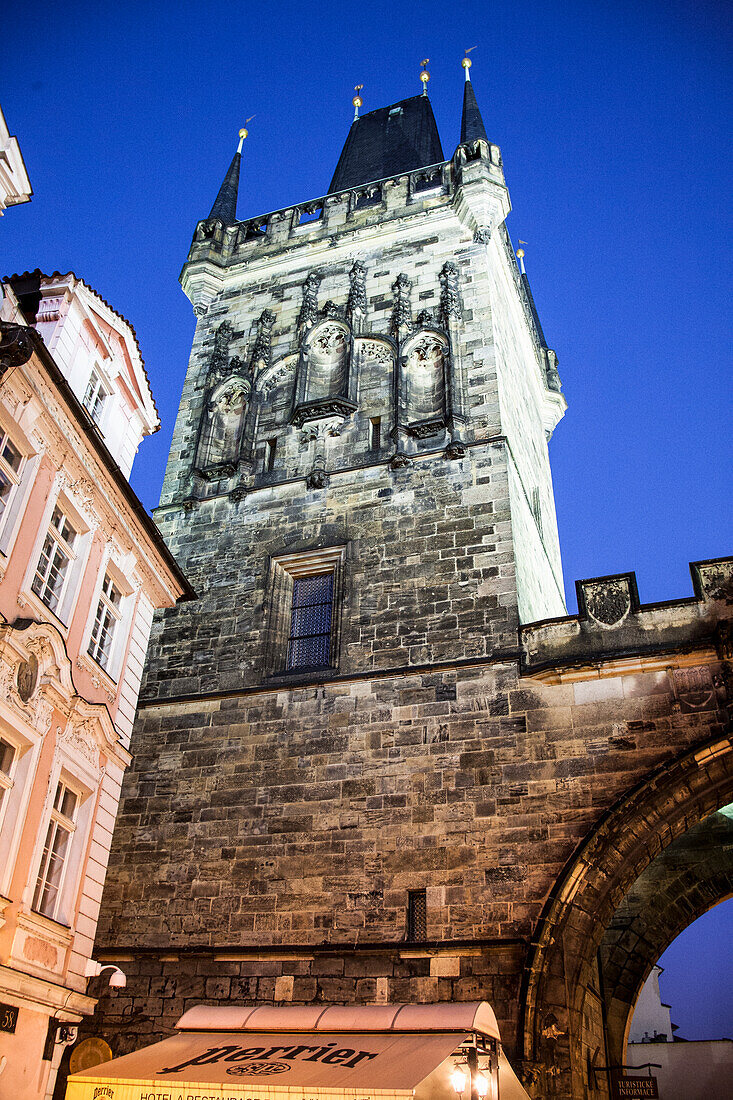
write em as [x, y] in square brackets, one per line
[82, 570]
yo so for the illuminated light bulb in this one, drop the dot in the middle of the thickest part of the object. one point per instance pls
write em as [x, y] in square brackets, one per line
[458, 1080]
[482, 1084]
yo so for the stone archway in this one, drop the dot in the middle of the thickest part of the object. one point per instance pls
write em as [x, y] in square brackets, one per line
[563, 1003]
[684, 881]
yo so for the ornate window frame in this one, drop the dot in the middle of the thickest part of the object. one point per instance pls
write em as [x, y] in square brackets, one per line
[22, 481]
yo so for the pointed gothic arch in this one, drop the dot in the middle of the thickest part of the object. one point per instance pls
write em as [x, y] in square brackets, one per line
[423, 383]
[223, 427]
[325, 382]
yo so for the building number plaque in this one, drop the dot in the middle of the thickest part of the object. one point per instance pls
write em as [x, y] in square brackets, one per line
[8, 1017]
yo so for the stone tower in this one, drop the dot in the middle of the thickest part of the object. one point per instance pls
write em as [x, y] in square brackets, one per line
[375, 761]
[359, 491]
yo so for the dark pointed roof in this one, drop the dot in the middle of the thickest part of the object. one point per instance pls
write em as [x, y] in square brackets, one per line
[533, 307]
[472, 125]
[225, 206]
[388, 142]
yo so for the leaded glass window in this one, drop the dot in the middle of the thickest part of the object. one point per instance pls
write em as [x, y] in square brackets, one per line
[309, 644]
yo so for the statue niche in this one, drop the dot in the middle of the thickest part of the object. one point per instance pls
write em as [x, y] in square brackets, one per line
[223, 428]
[424, 366]
[324, 384]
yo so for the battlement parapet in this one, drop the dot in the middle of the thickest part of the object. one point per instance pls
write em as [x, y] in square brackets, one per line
[357, 207]
[614, 631]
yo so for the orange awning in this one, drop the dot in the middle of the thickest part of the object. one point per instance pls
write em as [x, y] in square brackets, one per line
[390, 1052]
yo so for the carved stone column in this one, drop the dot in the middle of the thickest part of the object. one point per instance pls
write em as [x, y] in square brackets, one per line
[450, 320]
[309, 310]
[356, 306]
[402, 327]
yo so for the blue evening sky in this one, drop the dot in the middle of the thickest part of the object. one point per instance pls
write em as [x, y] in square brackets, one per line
[614, 122]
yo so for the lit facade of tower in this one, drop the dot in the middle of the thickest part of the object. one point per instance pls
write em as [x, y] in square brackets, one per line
[347, 786]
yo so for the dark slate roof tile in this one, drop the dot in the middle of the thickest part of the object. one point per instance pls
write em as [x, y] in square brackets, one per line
[388, 142]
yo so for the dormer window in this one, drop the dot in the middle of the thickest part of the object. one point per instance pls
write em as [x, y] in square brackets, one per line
[95, 397]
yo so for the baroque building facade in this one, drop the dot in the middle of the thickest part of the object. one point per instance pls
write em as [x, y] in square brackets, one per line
[15, 187]
[82, 569]
[376, 761]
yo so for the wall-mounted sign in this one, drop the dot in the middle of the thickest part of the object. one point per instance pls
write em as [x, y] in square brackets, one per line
[633, 1087]
[8, 1017]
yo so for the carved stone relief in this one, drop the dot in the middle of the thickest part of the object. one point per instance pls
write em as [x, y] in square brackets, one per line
[309, 310]
[450, 302]
[402, 311]
[378, 353]
[356, 306]
[716, 581]
[262, 349]
[281, 373]
[693, 688]
[608, 602]
[219, 361]
[26, 677]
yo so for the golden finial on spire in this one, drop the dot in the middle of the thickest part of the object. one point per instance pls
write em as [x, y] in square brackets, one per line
[467, 62]
[243, 134]
[357, 100]
[520, 257]
[424, 75]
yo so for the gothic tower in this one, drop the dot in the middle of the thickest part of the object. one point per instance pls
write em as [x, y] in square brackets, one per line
[359, 491]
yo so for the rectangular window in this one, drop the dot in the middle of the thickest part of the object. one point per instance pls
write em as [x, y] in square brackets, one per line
[375, 441]
[303, 621]
[7, 760]
[309, 644]
[56, 851]
[417, 915]
[270, 449]
[56, 557]
[10, 462]
[105, 622]
[95, 396]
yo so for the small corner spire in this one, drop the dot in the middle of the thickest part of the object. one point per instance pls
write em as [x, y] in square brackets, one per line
[357, 100]
[424, 75]
[472, 125]
[225, 204]
[467, 63]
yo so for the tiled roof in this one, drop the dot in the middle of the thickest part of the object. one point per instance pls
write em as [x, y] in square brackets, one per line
[388, 142]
